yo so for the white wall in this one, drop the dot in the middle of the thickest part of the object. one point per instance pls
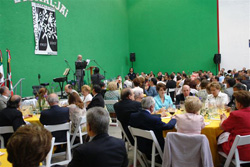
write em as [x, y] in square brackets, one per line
[234, 17]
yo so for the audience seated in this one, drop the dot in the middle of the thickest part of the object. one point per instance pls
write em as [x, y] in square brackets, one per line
[236, 87]
[238, 124]
[182, 96]
[96, 77]
[202, 93]
[55, 115]
[145, 120]
[69, 89]
[97, 100]
[5, 94]
[162, 101]
[150, 88]
[138, 95]
[87, 97]
[193, 85]
[191, 122]
[127, 83]
[125, 107]
[216, 97]
[112, 94]
[102, 149]
[76, 109]
[229, 90]
[103, 88]
[11, 116]
[29, 146]
[137, 85]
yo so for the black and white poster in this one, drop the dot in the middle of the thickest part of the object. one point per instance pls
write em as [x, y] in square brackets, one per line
[44, 21]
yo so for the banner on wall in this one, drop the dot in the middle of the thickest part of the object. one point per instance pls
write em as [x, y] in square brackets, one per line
[44, 21]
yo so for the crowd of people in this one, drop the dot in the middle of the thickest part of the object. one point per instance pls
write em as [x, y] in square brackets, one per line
[142, 100]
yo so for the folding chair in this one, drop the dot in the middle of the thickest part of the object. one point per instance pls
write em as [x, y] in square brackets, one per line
[111, 103]
[238, 141]
[78, 132]
[4, 130]
[147, 134]
[127, 142]
[54, 128]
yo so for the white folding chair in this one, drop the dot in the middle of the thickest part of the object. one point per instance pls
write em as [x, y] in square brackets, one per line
[111, 102]
[127, 142]
[78, 132]
[147, 134]
[4, 130]
[238, 141]
[54, 128]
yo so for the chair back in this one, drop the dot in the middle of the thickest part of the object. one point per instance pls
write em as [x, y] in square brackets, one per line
[147, 134]
[186, 150]
[108, 104]
[124, 135]
[78, 131]
[4, 130]
[59, 127]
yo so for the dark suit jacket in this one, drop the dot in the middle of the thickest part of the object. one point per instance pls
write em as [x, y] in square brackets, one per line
[11, 117]
[97, 101]
[53, 116]
[144, 120]
[96, 78]
[102, 151]
[123, 109]
[180, 98]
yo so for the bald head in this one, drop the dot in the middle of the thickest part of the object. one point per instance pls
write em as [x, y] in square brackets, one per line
[53, 99]
[5, 91]
[14, 101]
[68, 89]
[79, 57]
[186, 90]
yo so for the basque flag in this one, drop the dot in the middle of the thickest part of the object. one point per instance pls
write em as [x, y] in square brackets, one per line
[9, 82]
[1, 69]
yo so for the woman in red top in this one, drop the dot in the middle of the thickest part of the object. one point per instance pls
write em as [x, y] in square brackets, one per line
[238, 123]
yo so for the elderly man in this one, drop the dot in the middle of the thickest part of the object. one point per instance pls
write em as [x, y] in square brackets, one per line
[185, 92]
[145, 120]
[79, 72]
[69, 89]
[102, 150]
[10, 116]
[125, 107]
[5, 94]
[55, 115]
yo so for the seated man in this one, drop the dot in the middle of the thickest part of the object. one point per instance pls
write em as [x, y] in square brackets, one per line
[185, 92]
[69, 89]
[29, 146]
[124, 108]
[10, 116]
[97, 100]
[144, 120]
[55, 115]
[102, 150]
[5, 94]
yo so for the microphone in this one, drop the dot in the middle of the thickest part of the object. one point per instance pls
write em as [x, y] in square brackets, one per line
[39, 76]
[66, 60]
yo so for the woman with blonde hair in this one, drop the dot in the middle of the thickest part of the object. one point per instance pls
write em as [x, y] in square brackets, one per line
[112, 94]
[216, 98]
[87, 97]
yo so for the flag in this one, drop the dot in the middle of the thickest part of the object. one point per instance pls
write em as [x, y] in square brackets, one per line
[1, 69]
[9, 83]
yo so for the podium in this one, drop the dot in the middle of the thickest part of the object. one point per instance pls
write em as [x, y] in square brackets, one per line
[91, 72]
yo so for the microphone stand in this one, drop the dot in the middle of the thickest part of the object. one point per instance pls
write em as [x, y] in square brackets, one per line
[101, 68]
[66, 61]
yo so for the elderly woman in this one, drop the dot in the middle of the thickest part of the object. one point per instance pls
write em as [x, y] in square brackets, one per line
[216, 97]
[162, 101]
[138, 95]
[191, 122]
[87, 97]
[238, 124]
[29, 146]
[76, 109]
[112, 94]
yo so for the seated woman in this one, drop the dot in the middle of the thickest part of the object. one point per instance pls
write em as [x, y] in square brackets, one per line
[216, 97]
[162, 101]
[191, 122]
[112, 94]
[76, 109]
[238, 124]
[138, 95]
[29, 146]
[87, 97]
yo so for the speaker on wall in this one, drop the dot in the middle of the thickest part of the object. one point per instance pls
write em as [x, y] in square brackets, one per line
[217, 58]
[132, 57]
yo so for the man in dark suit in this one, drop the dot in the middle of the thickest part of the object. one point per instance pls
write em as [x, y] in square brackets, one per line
[10, 116]
[55, 115]
[185, 92]
[102, 150]
[146, 121]
[97, 100]
[5, 94]
[96, 77]
[124, 108]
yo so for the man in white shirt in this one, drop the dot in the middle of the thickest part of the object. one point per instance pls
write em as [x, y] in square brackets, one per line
[5, 94]
[127, 82]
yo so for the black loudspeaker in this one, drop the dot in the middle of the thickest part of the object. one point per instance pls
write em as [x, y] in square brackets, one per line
[132, 57]
[217, 58]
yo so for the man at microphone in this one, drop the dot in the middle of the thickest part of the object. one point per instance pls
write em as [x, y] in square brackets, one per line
[80, 72]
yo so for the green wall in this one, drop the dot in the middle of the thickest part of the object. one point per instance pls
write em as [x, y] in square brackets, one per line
[97, 29]
[166, 35]
[173, 35]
